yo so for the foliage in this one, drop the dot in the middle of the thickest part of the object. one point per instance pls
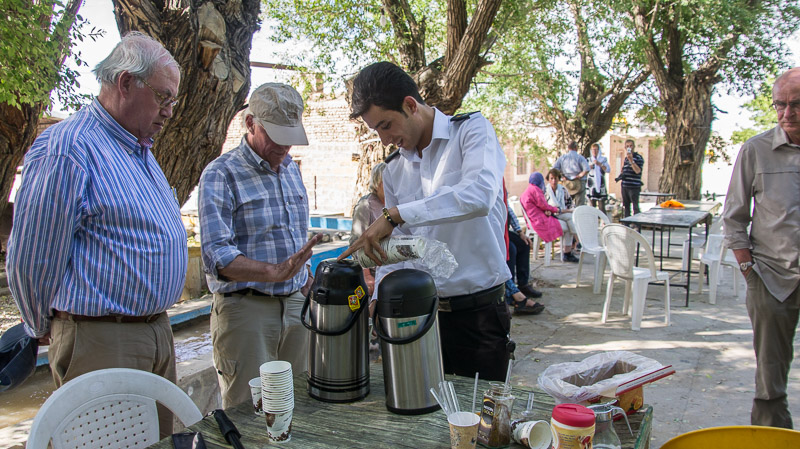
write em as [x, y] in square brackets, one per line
[717, 150]
[763, 117]
[35, 36]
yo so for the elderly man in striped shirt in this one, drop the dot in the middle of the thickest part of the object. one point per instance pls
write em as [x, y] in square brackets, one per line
[97, 252]
[254, 236]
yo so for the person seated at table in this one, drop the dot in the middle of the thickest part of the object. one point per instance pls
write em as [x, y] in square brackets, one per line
[541, 216]
[558, 197]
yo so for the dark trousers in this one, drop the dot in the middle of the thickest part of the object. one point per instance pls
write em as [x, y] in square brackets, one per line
[519, 259]
[477, 340]
[630, 197]
[774, 326]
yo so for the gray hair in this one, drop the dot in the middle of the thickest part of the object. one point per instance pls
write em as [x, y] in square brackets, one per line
[376, 177]
[138, 54]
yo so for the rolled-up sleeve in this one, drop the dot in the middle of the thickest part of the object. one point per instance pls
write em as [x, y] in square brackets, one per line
[216, 222]
[47, 213]
[736, 216]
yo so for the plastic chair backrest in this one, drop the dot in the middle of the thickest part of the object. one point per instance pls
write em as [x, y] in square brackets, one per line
[113, 407]
[714, 246]
[587, 221]
[620, 242]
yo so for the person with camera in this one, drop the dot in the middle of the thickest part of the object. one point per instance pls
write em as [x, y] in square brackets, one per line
[631, 177]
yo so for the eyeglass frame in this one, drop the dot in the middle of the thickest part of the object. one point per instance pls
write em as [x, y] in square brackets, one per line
[781, 106]
[165, 101]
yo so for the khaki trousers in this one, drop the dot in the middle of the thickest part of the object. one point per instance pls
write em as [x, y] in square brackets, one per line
[248, 331]
[79, 347]
[774, 327]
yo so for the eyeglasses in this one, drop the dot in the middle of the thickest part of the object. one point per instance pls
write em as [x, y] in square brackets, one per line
[781, 106]
[164, 100]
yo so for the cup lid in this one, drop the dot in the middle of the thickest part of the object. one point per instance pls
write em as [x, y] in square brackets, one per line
[573, 415]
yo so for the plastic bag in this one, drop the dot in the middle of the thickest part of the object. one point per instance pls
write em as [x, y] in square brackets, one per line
[432, 254]
[598, 375]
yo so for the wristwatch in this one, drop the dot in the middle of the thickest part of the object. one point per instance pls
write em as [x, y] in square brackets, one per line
[745, 265]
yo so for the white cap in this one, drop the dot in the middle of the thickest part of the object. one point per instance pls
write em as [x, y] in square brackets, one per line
[278, 108]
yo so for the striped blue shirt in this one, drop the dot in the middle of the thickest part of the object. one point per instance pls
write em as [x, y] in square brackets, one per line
[97, 230]
[248, 209]
[631, 179]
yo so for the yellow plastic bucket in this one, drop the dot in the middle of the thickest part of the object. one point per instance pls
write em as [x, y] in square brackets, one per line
[736, 437]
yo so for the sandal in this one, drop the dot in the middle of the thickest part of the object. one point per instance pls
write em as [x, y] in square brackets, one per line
[522, 308]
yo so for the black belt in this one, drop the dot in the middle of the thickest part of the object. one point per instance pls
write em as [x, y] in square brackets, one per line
[492, 295]
[251, 292]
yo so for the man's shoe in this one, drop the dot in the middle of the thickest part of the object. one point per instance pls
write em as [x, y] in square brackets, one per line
[530, 292]
[568, 257]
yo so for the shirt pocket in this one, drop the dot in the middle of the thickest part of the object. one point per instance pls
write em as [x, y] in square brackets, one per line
[772, 186]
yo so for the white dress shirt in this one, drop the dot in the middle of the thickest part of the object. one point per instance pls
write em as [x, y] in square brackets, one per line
[454, 194]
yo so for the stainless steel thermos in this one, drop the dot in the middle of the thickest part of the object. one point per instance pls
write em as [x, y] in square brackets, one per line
[338, 357]
[408, 329]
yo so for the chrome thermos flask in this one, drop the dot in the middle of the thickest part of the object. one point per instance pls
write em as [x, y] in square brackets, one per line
[338, 357]
[407, 326]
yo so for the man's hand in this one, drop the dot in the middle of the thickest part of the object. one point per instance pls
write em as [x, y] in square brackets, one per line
[525, 238]
[371, 238]
[291, 266]
[306, 288]
[743, 255]
[44, 340]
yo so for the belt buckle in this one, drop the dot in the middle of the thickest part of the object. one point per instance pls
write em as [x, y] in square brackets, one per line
[444, 305]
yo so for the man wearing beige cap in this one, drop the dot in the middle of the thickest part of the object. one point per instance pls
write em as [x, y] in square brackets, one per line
[253, 226]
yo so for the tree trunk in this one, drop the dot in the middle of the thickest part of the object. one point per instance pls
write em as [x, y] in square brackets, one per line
[211, 41]
[688, 130]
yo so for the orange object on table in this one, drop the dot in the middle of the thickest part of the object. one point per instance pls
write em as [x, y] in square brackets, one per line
[672, 204]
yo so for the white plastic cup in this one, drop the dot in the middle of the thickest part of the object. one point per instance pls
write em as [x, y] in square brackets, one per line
[255, 393]
[279, 426]
[532, 434]
[463, 430]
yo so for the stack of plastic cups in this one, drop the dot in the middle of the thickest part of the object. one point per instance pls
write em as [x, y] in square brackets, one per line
[277, 397]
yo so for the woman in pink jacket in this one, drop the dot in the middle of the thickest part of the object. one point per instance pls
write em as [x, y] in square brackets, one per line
[539, 214]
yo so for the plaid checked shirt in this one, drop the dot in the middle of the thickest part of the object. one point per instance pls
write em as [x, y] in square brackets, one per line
[248, 209]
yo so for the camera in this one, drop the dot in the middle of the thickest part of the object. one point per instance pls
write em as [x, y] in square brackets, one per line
[618, 178]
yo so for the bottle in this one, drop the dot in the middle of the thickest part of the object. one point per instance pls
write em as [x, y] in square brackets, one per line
[494, 430]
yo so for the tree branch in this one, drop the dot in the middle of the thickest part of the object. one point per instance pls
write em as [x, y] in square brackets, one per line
[456, 25]
[410, 34]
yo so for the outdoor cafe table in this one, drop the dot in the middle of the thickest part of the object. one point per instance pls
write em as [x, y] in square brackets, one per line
[667, 219]
[367, 423]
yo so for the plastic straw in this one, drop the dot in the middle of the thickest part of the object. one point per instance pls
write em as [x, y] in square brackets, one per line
[508, 373]
[453, 394]
[439, 401]
[475, 392]
[529, 406]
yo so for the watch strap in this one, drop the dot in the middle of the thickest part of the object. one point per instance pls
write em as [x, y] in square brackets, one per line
[389, 218]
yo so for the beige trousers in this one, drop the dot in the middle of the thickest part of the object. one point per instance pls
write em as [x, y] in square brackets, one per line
[78, 347]
[248, 331]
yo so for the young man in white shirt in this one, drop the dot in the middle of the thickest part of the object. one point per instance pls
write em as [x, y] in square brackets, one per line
[447, 186]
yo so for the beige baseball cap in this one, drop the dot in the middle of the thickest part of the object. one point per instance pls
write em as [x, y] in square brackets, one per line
[278, 108]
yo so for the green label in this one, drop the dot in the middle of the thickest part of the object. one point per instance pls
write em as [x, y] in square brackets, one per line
[407, 323]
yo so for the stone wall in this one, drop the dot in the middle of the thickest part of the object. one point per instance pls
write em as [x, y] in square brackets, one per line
[651, 149]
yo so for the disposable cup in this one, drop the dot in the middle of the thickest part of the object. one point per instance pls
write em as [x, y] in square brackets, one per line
[463, 430]
[275, 367]
[279, 426]
[532, 434]
[255, 392]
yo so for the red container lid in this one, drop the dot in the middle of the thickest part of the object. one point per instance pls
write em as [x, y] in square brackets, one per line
[573, 415]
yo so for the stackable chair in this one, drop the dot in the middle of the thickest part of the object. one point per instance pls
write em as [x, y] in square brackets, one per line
[109, 408]
[715, 256]
[548, 246]
[620, 243]
[588, 221]
[699, 241]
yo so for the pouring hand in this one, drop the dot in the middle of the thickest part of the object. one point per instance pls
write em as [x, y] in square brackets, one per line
[370, 241]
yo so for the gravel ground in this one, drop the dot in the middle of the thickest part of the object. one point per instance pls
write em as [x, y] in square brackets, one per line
[9, 314]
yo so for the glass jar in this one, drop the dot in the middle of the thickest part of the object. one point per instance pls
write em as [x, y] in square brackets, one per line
[494, 430]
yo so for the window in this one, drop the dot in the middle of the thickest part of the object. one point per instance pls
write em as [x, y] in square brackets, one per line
[522, 165]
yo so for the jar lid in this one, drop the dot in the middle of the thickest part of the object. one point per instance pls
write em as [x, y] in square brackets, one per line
[573, 415]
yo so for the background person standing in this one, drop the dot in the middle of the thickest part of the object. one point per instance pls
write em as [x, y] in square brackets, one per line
[574, 168]
[631, 177]
[766, 178]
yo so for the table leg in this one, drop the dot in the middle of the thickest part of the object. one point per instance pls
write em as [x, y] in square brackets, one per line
[689, 265]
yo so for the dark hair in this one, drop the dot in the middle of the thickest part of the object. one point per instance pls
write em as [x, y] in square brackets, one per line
[573, 145]
[554, 172]
[381, 84]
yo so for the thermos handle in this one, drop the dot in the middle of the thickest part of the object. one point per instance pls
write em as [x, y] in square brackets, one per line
[350, 322]
[376, 324]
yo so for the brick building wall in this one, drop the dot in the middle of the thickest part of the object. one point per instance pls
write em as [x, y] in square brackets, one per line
[652, 150]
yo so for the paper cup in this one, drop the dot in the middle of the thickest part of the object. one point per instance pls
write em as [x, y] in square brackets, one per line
[463, 430]
[279, 426]
[532, 434]
[255, 392]
[275, 367]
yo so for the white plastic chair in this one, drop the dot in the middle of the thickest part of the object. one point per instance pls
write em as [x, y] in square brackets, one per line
[715, 256]
[620, 242]
[112, 408]
[548, 246]
[698, 241]
[588, 221]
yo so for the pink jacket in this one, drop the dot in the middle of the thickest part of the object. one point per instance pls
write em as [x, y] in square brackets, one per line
[534, 205]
